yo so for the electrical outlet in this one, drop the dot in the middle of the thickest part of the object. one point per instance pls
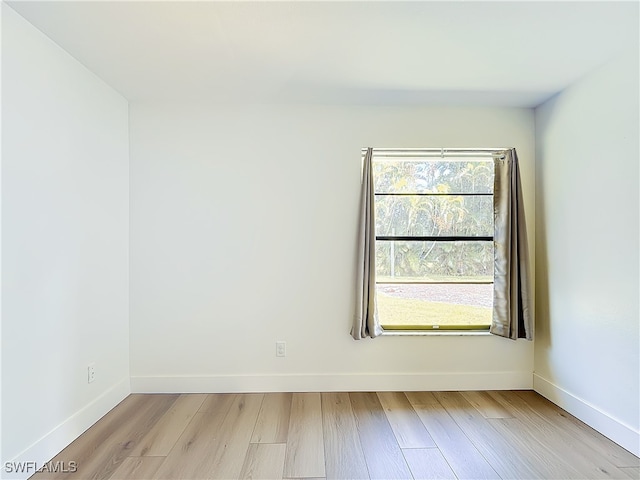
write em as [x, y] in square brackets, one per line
[91, 372]
[281, 349]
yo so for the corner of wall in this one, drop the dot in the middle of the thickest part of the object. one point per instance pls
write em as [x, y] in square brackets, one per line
[611, 427]
[25, 464]
[65, 246]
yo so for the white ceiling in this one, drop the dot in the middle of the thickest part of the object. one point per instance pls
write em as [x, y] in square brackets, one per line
[498, 53]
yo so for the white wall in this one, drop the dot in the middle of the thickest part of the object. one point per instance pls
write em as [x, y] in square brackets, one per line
[243, 232]
[586, 353]
[64, 246]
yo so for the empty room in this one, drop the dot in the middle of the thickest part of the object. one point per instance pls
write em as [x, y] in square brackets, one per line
[350, 240]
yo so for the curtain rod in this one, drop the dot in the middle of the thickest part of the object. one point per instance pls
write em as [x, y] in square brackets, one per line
[438, 152]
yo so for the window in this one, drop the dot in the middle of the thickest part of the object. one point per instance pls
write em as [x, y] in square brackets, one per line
[434, 239]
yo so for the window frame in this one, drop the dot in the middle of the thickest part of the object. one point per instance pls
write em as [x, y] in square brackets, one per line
[432, 155]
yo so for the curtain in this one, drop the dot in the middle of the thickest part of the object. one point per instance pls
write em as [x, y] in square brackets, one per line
[365, 321]
[511, 299]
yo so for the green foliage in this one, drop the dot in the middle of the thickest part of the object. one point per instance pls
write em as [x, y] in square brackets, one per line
[449, 213]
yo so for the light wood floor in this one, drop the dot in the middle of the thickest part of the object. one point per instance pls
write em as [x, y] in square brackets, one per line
[384, 435]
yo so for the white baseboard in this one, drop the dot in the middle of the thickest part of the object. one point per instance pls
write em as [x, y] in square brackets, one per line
[624, 435]
[332, 382]
[56, 440]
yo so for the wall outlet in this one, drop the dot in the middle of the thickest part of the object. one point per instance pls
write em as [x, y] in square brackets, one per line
[91, 372]
[281, 349]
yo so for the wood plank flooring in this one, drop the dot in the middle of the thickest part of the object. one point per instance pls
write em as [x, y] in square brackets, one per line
[363, 435]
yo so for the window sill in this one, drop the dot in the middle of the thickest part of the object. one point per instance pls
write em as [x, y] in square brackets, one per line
[435, 333]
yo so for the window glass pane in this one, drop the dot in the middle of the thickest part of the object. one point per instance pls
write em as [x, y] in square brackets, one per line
[434, 216]
[407, 306]
[433, 175]
[434, 261]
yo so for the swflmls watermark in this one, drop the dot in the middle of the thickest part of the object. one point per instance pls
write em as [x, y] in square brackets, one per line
[35, 467]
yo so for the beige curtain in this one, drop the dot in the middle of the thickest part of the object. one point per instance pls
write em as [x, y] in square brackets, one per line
[365, 321]
[511, 299]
